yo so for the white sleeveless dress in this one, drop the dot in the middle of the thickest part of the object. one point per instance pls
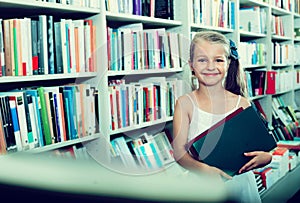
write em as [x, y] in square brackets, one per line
[241, 187]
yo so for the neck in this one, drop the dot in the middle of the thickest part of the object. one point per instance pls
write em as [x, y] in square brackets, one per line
[211, 91]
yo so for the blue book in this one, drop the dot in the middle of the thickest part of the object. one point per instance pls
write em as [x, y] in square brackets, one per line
[232, 15]
[69, 114]
[73, 109]
[124, 106]
[35, 96]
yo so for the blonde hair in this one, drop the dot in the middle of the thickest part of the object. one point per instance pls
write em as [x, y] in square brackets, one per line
[235, 79]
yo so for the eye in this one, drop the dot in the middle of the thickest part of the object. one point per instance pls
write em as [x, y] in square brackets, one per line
[220, 60]
[202, 60]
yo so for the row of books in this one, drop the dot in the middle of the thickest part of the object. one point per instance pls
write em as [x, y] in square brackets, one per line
[288, 5]
[284, 120]
[283, 161]
[297, 6]
[84, 3]
[278, 81]
[261, 81]
[256, 82]
[130, 47]
[39, 45]
[296, 54]
[145, 153]
[39, 116]
[277, 26]
[252, 19]
[151, 8]
[220, 13]
[139, 102]
[77, 152]
[283, 53]
[252, 53]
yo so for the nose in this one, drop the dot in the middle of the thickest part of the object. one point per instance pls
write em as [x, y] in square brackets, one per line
[210, 65]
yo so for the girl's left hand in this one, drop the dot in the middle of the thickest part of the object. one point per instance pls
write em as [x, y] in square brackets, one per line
[259, 159]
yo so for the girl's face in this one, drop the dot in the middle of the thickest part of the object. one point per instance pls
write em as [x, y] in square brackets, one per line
[209, 63]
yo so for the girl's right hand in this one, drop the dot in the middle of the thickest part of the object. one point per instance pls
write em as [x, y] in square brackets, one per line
[214, 170]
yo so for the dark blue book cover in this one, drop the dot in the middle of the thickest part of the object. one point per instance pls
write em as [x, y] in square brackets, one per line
[223, 145]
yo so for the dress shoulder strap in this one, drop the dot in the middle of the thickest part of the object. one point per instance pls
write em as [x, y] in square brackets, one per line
[238, 101]
[189, 96]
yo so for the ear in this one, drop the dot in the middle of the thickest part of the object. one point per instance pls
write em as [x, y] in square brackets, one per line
[191, 65]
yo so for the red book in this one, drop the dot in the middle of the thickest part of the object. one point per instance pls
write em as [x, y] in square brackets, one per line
[146, 104]
[271, 82]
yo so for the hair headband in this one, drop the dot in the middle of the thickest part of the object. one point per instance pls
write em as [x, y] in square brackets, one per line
[233, 50]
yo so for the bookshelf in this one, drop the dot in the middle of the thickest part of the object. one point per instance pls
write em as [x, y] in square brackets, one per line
[121, 68]
[184, 22]
[284, 188]
[17, 11]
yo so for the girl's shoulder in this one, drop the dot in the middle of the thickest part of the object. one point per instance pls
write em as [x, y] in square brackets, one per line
[186, 98]
[245, 103]
[185, 102]
[242, 101]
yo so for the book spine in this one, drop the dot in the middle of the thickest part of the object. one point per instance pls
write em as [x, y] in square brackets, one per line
[44, 116]
[50, 32]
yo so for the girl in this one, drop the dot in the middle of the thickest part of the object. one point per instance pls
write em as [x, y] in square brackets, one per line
[214, 62]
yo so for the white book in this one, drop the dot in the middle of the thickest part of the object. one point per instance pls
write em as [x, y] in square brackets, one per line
[64, 45]
[27, 26]
[196, 11]
[127, 43]
[174, 49]
[92, 110]
[164, 147]
[125, 154]
[87, 110]
[88, 31]
[78, 111]
[250, 19]
[33, 122]
[131, 94]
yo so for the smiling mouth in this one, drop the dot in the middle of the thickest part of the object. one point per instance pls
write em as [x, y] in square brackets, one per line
[210, 74]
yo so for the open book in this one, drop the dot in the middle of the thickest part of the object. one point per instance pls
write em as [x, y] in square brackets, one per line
[224, 143]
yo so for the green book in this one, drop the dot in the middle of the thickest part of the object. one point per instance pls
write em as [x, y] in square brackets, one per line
[44, 116]
[223, 145]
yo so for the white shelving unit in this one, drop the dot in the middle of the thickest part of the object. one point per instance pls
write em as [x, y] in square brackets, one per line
[18, 9]
[98, 145]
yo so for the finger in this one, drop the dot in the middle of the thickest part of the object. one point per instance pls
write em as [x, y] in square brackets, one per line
[250, 153]
[248, 166]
